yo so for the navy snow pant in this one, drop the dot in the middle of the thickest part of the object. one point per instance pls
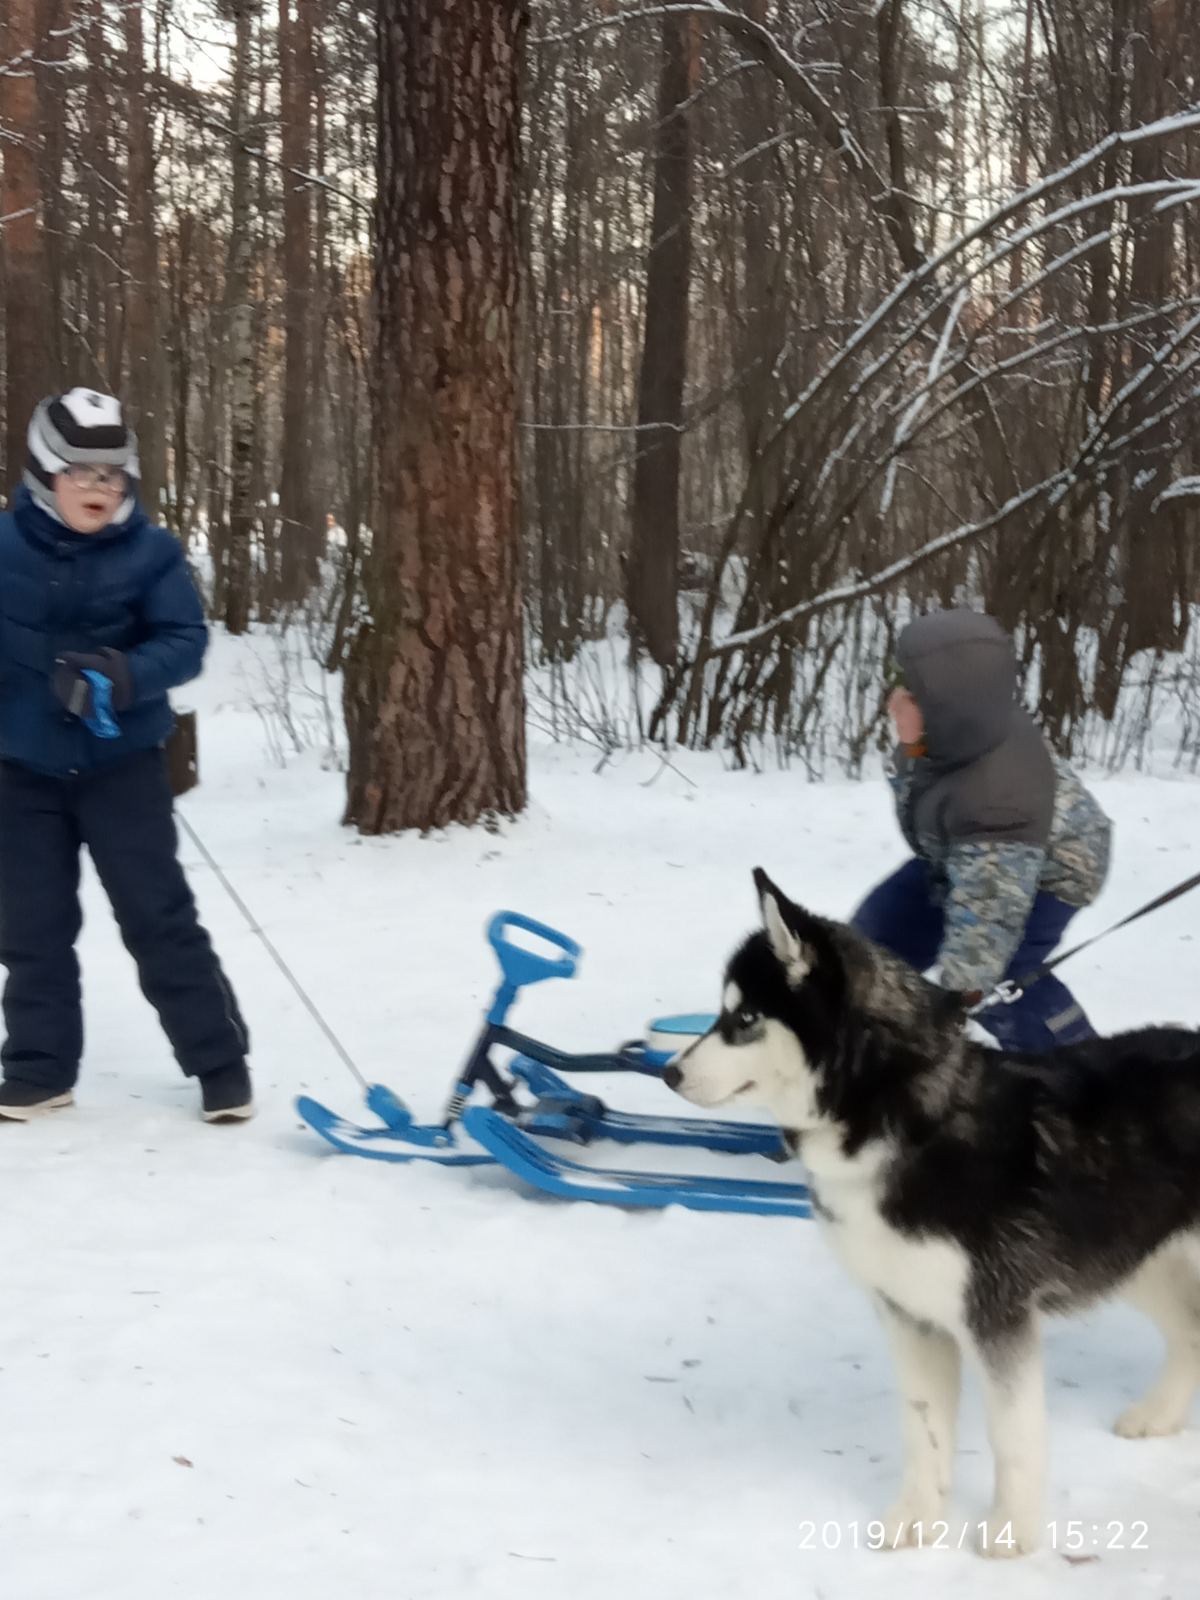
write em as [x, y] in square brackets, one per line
[123, 813]
[902, 915]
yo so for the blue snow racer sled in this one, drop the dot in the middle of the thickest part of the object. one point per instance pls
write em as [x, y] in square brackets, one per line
[535, 1111]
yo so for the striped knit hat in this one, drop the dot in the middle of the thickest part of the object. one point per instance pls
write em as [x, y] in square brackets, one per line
[80, 428]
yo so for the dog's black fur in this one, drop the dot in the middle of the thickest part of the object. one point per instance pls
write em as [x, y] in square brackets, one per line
[1040, 1183]
[1057, 1174]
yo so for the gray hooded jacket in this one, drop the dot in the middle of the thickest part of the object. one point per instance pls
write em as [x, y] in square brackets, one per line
[988, 805]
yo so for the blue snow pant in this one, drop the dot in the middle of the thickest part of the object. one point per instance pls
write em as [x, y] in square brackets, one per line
[123, 813]
[902, 915]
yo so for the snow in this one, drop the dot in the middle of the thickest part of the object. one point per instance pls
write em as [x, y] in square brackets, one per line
[1187, 488]
[233, 1363]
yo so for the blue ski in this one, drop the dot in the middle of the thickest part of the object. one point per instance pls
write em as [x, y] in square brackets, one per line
[564, 1112]
[560, 1112]
[527, 1158]
[380, 1143]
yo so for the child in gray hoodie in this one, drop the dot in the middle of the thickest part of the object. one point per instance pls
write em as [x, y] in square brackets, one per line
[1007, 843]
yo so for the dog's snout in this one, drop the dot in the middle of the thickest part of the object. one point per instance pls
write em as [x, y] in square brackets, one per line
[672, 1076]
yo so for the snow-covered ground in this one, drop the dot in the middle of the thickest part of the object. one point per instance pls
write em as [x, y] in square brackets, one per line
[235, 1364]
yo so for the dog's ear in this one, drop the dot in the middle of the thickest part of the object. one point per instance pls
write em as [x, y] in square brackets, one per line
[779, 918]
[763, 885]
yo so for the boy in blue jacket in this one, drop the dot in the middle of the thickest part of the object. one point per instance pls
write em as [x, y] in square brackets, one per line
[97, 605]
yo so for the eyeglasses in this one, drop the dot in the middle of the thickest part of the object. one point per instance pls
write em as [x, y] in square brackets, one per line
[111, 479]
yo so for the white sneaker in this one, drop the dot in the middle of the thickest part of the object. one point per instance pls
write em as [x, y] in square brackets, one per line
[20, 1102]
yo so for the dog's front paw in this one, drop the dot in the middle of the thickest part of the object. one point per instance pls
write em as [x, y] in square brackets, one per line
[1004, 1537]
[1147, 1420]
[909, 1524]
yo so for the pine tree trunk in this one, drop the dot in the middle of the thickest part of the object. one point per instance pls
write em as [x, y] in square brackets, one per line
[295, 498]
[435, 700]
[654, 554]
[54, 19]
[1021, 158]
[264, 591]
[147, 377]
[321, 483]
[212, 487]
[239, 314]
[1158, 88]
[178, 333]
[96, 294]
[758, 326]
[27, 357]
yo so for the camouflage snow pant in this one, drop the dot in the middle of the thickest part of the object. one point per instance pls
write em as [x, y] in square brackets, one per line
[902, 915]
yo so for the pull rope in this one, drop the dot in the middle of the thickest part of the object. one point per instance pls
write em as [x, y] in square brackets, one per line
[256, 929]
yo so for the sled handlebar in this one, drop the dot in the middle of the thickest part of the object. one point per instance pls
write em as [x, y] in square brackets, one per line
[521, 966]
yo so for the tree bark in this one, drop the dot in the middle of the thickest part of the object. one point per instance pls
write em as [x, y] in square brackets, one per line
[434, 694]
[296, 518]
[54, 18]
[100, 315]
[239, 333]
[1150, 554]
[1016, 271]
[27, 349]
[147, 377]
[654, 554]
[178, 336]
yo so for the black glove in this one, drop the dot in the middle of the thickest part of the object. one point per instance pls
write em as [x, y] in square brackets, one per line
[75, 692]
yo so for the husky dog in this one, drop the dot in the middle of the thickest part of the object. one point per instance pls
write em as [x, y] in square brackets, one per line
[968, 1189]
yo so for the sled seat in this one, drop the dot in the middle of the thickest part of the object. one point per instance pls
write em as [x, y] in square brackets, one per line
[667, 1036]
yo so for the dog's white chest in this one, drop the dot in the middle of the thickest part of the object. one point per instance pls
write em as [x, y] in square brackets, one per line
[926, 1277]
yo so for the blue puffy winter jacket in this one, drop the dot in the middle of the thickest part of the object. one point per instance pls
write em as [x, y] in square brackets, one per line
[127, 588]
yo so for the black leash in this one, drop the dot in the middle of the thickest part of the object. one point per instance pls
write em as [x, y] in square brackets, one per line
[1013, 988]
